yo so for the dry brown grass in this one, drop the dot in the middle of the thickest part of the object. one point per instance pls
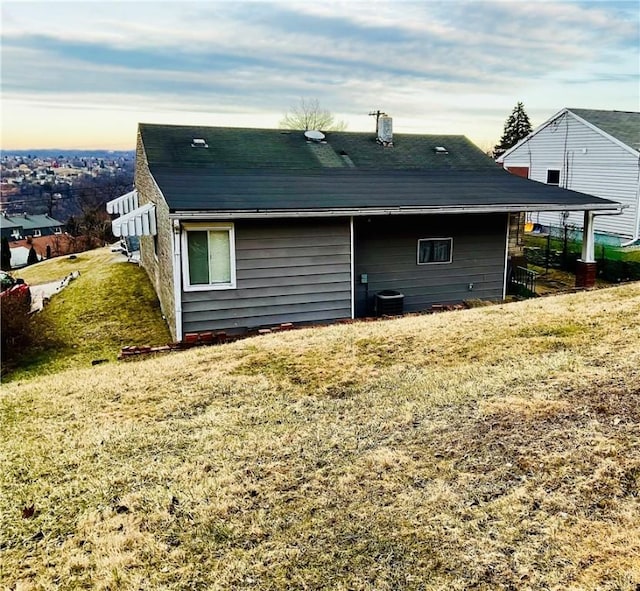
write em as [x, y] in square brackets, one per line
[494, 448]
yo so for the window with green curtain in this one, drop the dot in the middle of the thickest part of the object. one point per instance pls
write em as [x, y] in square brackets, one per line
[197, 251]
[209, 256]
[219, 260]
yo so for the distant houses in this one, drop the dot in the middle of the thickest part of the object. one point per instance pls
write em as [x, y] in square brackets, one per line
[42, 232]
[17, 227]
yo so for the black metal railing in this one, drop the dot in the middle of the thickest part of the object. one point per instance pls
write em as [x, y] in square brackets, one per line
[523, 281]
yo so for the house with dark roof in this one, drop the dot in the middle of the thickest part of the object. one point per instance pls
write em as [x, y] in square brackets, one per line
[250, 228]
[590, 151]
[17, 227]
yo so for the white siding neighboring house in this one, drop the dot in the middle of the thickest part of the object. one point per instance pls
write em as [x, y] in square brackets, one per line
[590, 151]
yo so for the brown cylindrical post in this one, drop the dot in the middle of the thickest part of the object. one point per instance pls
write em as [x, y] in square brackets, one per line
[585, 274]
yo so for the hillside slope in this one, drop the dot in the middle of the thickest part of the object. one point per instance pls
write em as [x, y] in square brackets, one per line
[494, 448]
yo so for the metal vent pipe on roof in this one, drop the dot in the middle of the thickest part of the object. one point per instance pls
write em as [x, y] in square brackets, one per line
[385, 129]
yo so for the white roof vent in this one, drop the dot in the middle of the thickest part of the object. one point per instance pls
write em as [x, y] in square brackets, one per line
[197, 142]
[440, 150]
[313, 135]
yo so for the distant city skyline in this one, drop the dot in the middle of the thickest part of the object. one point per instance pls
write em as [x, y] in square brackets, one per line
[82, 75]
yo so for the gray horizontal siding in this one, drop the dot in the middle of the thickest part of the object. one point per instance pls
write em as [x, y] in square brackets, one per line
[286, 271]
[386, 250]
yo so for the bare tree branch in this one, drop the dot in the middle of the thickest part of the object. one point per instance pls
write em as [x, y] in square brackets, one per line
[310, 115]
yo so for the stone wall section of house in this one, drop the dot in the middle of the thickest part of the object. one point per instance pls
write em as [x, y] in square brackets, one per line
[516, 234]
[156, 253]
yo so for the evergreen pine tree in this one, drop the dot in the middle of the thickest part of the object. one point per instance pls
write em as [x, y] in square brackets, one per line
[33, 256]
[516, 127]
[5, 255]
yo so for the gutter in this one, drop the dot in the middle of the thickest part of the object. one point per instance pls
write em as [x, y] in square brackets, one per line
[636, 231]
[612, 208]
[636, 238]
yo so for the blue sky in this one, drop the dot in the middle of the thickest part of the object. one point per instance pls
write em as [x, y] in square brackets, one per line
[83, 74]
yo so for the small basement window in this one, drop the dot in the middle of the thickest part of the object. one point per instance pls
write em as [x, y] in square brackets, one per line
[440, 150]
[199, 143]
[435, 251]
[208, 257]
[553, 176]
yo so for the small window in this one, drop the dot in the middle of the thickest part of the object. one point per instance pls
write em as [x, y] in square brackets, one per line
[37, 233]
[553, 177]
[209, 257]
[57, 230]
[434, 250]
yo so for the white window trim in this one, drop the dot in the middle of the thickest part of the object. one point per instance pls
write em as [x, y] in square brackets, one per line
[449, 238]
[37, 233]
[203, 227]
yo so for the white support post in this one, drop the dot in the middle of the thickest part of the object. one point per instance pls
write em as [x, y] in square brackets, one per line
[588, 238]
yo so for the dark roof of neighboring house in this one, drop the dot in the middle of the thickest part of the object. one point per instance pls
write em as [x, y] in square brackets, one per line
[33, 222]
[258, 171]
[5, 222]
[622, 125]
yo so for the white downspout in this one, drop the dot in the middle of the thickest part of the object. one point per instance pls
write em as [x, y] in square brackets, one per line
[353, 277]
[636, 230]
[506, 259]
[588, 238]
[177, 277]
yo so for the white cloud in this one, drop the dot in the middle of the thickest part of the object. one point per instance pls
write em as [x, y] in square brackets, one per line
[456, 64]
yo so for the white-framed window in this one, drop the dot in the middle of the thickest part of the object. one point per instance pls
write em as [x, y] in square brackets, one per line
[208, 256]
[37, 233]
[553, 176]
[432, 251]
[57, 230]
[16, 234]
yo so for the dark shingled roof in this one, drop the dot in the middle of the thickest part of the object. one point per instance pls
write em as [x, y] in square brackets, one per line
[622, 125]
[261, 170]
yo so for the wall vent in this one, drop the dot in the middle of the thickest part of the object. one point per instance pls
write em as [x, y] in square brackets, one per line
[197, 142]
[440, 150]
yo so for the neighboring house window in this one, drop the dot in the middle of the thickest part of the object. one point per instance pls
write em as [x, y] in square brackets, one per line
[553, 177]
[16, 234]
[209, 257]
[37, 233]
[434, 250]
[57, 230]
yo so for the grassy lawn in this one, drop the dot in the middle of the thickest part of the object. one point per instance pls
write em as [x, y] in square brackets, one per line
[492, 448]
[110, 305]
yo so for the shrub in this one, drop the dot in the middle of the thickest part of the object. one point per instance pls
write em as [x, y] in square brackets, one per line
[18, 332]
